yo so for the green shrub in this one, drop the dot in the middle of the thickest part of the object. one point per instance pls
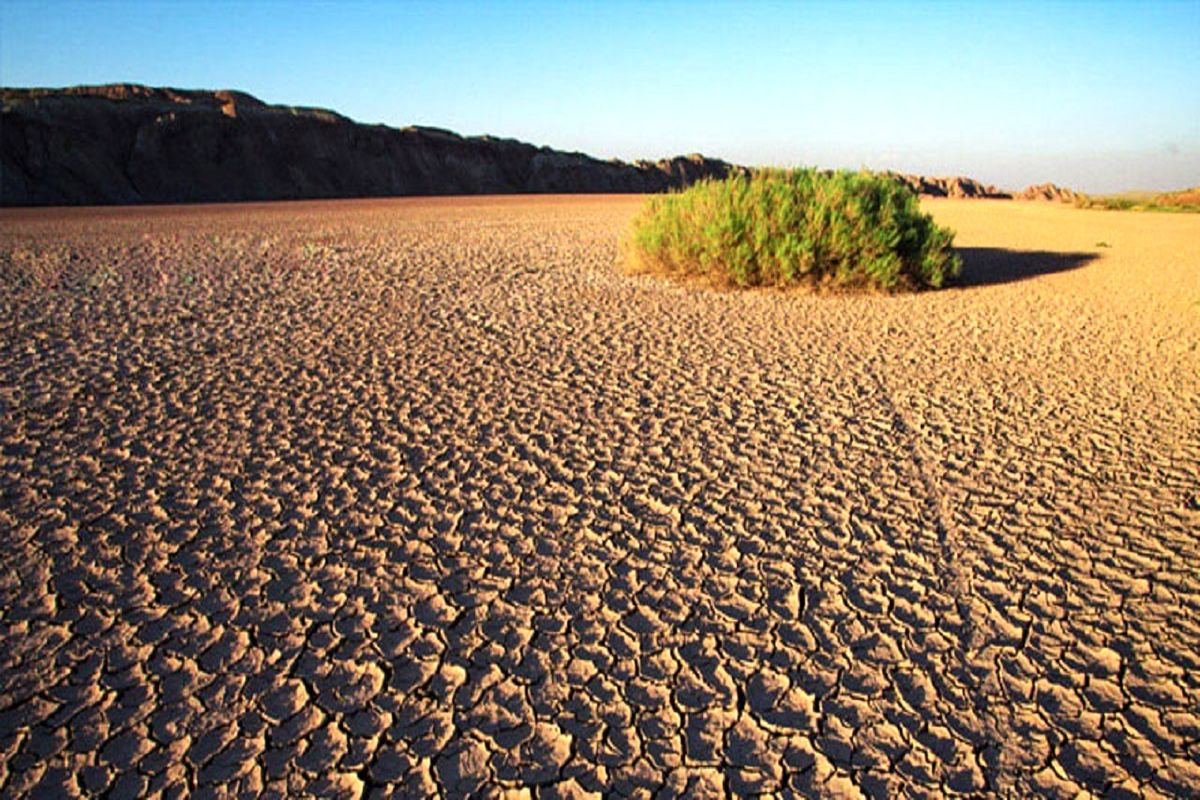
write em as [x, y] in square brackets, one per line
[1187, 201]
[790, 227]
[1107, 203]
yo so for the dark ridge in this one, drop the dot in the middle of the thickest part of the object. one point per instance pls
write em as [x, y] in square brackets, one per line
[127, 144]
[951, 187]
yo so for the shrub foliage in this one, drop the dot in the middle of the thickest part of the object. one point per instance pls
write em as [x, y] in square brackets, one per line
[1187, 200]
[780, 227]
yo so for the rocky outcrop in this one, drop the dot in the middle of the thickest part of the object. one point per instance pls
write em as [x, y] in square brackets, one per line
[1048, 191]
[135, 144]
[956, 186]
[125, 143]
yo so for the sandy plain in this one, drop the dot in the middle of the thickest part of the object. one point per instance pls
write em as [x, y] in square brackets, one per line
[425, 497]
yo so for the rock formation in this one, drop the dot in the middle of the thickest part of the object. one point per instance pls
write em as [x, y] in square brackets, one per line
[1048, 191]
[125, 143]
[956, 186]
[135, 144]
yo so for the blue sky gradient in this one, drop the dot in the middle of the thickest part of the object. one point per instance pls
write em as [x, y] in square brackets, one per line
[1097, 96]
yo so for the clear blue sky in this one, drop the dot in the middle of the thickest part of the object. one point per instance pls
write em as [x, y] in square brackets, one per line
[1098, 96]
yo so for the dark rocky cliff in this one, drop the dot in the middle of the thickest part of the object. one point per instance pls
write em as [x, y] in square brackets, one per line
[1049, 192]
[134, 144]
[124, 143]
[956, 186]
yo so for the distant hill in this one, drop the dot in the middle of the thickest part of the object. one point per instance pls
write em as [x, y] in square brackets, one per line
[127, 144]
[1049, 191]
[134, 144]
[951, 187]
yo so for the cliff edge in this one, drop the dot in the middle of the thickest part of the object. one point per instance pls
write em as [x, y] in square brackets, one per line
[126, 143]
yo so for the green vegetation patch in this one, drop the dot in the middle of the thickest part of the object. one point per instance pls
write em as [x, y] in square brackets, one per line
[1186, 201]
[783, 228]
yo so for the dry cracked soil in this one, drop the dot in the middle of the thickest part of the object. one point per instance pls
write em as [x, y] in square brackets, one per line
[428, 497]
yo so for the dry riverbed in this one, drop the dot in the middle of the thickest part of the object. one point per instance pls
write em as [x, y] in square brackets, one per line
[428, 497]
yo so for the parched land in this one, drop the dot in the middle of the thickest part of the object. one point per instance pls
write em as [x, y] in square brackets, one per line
[429, 497]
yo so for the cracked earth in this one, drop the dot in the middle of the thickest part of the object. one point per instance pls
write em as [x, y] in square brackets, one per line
[427, 497]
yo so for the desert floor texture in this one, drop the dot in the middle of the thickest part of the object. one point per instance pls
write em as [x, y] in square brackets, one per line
[424, 497]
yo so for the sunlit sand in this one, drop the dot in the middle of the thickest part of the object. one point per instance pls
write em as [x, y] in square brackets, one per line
[431, 496]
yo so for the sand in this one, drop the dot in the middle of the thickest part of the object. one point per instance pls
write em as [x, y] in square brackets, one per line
[427, 496]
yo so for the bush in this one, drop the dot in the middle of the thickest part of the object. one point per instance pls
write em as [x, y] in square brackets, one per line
[1106, 203]
[791, 227]
[1185, 201]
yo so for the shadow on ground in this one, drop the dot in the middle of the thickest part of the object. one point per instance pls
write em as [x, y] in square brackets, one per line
[986, 266]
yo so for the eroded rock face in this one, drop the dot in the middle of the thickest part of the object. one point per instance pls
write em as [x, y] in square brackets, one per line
[125, 143]
[1048, 191]
[955, 186]
[135, 144]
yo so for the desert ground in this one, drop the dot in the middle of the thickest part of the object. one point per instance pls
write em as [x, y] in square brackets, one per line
[429, 497]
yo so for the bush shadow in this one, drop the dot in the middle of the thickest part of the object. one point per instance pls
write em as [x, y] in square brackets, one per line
[989, 266]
